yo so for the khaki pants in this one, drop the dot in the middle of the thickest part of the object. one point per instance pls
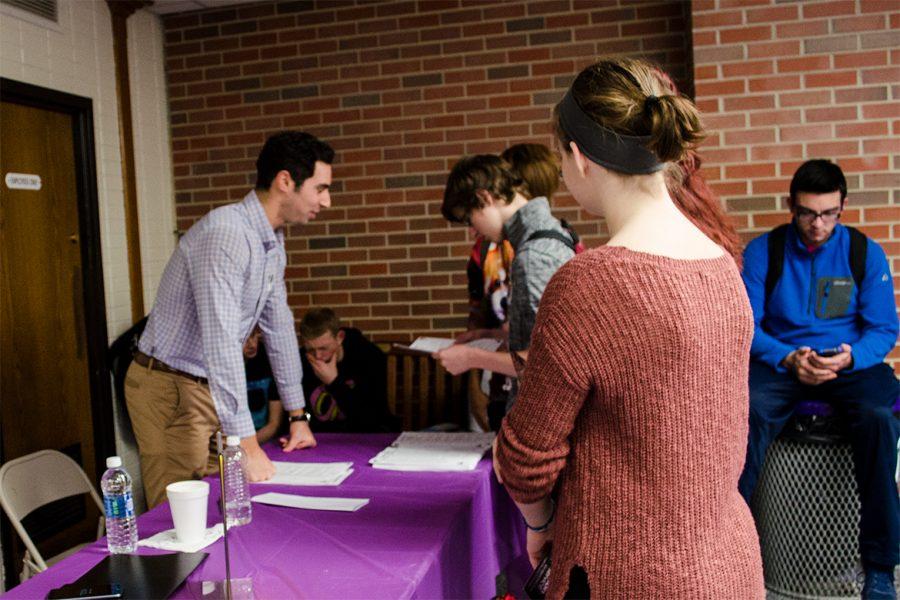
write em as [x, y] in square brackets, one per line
[175, 422]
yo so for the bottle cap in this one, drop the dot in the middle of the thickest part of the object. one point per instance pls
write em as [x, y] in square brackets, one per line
[233, 440]
[113, 462]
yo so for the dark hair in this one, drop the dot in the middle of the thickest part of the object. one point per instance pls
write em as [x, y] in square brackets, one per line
[317, 322]
[537, 166]
[818, 176]
[471, 174]
[293, 151]
[625, 96]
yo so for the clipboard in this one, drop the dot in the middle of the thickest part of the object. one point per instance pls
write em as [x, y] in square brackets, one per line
[136, 575]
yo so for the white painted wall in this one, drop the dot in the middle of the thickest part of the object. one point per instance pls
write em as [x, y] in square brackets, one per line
[76, 56]
[153, 148]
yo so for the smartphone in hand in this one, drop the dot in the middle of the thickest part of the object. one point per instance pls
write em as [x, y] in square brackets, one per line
[828, 352]
[537, 585]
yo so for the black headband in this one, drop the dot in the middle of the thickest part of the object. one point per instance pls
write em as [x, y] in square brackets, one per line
[623, 153]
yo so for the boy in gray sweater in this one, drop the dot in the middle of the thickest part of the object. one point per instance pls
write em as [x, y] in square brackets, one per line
[483, 192]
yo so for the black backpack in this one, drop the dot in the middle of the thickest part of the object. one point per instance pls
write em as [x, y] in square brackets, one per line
[119, 358]
[778, 237]
[572, 241]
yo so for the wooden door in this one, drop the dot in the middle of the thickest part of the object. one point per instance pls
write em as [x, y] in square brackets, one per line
[46, 382]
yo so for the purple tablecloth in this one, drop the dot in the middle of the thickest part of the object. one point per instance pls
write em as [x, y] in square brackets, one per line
[422, 535]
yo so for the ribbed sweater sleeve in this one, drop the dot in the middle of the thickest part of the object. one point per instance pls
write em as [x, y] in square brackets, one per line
[534, 438]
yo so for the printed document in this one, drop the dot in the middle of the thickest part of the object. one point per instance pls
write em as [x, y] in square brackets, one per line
[434, 451]
[294, 473]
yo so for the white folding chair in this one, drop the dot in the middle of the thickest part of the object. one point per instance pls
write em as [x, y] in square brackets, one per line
[33, 481]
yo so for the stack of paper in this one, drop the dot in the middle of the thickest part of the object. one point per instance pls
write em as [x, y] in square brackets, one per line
[293, 473]
[430, 345]
[434, 451]
[311, 502]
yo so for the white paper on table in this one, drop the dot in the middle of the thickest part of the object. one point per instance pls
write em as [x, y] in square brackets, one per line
[432, 440]
[311, 502]
[167, 540]
[434, 451]
[429, 345]
[409, 459]
[293, 473]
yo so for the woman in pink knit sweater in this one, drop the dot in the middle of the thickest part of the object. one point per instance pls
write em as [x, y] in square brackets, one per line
[634, 401]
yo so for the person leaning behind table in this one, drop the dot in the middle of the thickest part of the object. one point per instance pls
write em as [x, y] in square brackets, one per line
[226, 275]
[634, 396]
[823, 329]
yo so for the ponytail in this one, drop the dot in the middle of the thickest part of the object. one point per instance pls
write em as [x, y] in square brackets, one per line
[674, 126]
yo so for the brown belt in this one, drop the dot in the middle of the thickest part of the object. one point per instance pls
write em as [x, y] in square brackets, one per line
[148, 361]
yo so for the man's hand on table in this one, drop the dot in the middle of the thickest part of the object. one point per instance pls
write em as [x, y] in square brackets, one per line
[259, 467]
[301, 437]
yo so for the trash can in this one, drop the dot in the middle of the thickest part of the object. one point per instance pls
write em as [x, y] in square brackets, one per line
[806, 507]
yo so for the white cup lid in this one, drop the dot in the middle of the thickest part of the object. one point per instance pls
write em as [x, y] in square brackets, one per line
[113, 462]
[233, 440]
[187, 489]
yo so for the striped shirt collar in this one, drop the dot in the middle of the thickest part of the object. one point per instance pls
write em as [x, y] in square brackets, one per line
[260, 222]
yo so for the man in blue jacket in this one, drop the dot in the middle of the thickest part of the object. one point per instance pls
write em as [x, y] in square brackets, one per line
[822, 332]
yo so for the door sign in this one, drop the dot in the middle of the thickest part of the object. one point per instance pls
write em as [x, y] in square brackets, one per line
[23, 181]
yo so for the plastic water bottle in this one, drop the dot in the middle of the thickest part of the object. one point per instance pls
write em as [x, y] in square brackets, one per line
[237, 490]
[121, 525]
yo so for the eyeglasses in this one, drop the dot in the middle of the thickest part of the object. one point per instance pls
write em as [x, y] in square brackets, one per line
[807, 216]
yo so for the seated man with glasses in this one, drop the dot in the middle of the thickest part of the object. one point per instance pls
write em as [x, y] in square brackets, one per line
[823, 301]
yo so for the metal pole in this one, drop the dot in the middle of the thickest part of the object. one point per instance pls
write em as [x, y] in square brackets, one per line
[224, 516]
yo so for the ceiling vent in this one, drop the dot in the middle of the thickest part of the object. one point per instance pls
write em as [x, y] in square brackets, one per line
[45, 9]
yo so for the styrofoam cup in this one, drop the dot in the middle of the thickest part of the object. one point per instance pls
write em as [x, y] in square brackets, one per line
[188, 501]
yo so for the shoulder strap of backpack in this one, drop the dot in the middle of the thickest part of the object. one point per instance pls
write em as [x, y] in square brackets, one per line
[571, 231]
[777, 240]
[553, 235]
[859, 248]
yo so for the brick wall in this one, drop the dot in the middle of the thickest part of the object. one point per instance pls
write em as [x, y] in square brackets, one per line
[781, 83]
[401, 89]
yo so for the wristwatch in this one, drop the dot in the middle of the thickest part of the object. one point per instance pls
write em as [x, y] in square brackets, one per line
[304, 416]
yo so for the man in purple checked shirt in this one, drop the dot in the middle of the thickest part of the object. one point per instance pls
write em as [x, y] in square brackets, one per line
[225, 277]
